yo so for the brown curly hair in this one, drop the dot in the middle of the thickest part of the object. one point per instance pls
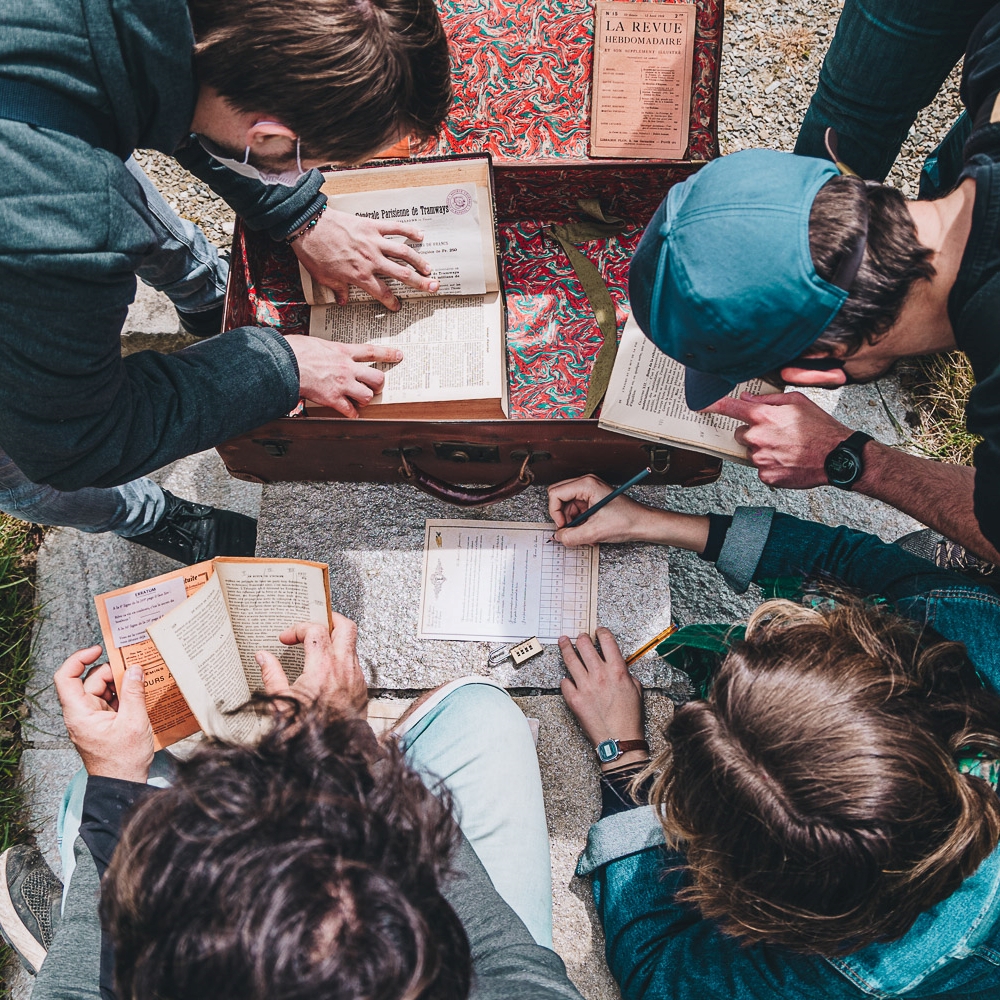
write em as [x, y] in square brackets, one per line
[308, 866]
[816, 787]
[349, 77]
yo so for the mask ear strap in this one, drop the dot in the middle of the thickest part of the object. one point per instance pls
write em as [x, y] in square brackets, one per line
[850, 265]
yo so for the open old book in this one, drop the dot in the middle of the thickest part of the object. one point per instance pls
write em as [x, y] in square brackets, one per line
[195, 632]
[454, 342]
[645, 399]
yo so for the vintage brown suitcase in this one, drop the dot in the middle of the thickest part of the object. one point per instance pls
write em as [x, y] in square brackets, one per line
[522, 94]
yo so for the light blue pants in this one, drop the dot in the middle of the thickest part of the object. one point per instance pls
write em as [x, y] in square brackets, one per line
[188, 269]
[477, 743]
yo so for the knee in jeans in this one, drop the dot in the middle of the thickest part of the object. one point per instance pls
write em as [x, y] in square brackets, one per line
[489, 712]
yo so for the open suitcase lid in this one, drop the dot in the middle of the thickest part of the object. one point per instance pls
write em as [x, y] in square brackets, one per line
[522, 81]
[522, 94]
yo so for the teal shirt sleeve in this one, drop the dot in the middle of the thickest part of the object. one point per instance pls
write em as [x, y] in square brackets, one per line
[759, 547]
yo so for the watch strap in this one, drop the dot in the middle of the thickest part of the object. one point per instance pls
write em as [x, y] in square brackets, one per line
[624, 746]
[856, 442]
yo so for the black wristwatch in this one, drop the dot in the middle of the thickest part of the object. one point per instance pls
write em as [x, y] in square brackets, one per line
[845, 465]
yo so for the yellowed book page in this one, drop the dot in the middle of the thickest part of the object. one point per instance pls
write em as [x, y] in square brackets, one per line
[643, 61]
[124, 615]
[453, 347]
[501, 580]
[646, 400]
[266, 596]
[197, 640]
[450, 202]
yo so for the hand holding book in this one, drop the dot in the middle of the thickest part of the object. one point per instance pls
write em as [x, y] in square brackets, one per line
[341, 376]
[343, 250]
[331, 673]
[109, 727]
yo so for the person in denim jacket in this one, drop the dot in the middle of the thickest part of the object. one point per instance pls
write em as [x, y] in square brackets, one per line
[825, 822]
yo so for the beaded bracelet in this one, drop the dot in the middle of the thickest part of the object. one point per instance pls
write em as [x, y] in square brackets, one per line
[305, 229]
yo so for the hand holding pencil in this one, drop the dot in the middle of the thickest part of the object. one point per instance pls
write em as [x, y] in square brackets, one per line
[587, 511]
[613, 522]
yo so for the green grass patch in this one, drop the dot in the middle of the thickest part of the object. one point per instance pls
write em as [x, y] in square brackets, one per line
[18, 544]
[940, 385]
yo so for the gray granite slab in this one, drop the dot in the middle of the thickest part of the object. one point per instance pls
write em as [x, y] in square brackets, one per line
[372, 537]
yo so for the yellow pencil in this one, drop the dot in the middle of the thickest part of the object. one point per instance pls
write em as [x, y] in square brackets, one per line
[646, 647]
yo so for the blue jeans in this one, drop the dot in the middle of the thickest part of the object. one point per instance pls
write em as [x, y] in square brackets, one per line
[187, 268]
[476, 743]
[887, 61]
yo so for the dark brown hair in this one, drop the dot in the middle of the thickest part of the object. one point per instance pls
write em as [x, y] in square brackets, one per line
[893, 262]
[349, 77]
[309, 866]
[817, 787]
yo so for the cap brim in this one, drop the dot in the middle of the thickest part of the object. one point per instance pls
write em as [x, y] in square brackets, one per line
[702, 389]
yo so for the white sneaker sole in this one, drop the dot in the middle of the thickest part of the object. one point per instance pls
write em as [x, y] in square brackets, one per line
[28, 949]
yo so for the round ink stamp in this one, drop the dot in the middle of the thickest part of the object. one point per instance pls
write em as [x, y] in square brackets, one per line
[459, 201]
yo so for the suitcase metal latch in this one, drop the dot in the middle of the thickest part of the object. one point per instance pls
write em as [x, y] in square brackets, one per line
[463, 451]
[659, 457]
[273, 446]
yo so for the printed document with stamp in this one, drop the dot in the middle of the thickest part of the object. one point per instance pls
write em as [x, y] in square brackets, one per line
[501, 580]
[453, 342]
[643, 62]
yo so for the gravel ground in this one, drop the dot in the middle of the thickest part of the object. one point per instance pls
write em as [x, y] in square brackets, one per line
[772, 53]
[189, 197]
[771, 59]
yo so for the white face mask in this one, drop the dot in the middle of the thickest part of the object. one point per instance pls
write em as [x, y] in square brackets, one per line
[288, 178]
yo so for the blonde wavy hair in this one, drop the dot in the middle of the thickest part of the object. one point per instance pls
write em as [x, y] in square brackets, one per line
[816, 791]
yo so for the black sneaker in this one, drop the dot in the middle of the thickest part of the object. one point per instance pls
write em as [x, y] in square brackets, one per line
[30, 904]
[946, 554]
[190, 532]
[206, 323]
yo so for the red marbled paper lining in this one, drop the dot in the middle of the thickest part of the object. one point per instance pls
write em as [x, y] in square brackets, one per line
[552, 336]
[521, 74]
[522, 93]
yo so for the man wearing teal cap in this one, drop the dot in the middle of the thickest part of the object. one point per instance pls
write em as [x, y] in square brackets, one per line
[769, 262]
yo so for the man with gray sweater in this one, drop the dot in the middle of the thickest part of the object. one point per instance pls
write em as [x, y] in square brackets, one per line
[317, 864]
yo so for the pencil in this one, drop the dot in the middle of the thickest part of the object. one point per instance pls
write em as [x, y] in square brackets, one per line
[646, 647]
[591, 511]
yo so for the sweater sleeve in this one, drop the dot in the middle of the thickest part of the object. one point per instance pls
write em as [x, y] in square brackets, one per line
[106, 803]
[74, 413]
[507, 963]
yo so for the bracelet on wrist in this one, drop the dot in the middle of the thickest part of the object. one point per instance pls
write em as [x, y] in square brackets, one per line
[302, 230]
[632, 765]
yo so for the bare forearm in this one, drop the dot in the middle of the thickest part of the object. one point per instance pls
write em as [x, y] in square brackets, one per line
[665, 527]
[936, 493]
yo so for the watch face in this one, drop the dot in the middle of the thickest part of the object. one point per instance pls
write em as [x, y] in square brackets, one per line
[608, 750]
[842, 466]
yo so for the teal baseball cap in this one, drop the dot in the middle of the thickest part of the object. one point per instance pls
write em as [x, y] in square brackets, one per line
[723, 280]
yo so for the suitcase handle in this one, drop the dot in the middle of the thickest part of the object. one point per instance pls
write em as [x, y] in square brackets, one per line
[466, 496]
